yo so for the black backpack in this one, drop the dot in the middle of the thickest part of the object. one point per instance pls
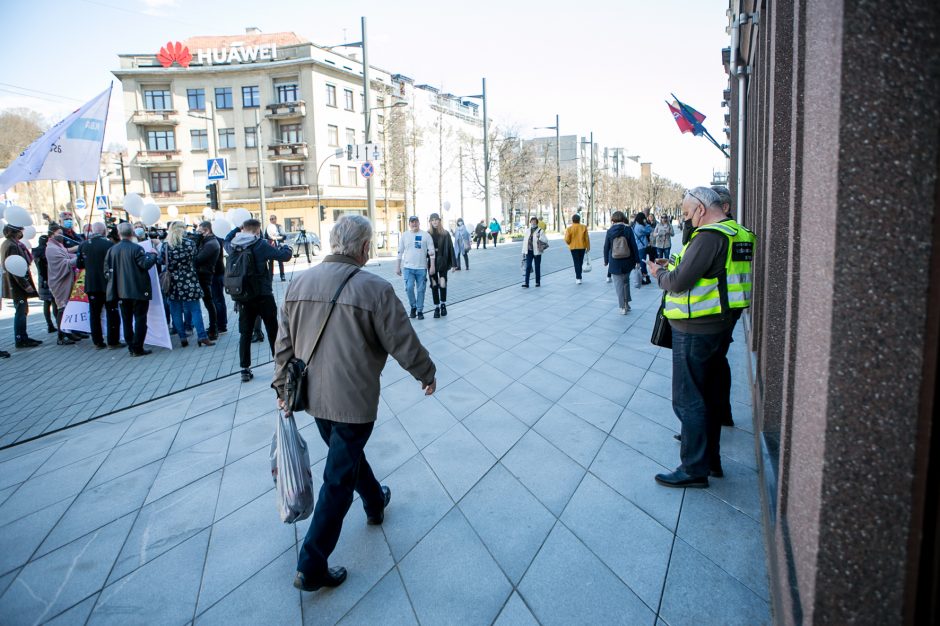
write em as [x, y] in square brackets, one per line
[241, 277]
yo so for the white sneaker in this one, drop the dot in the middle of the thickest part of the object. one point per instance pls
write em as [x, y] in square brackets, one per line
[623, 311]
[577, 280]
[608, 279]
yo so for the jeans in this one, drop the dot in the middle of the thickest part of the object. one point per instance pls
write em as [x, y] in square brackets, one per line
[134, 318]
[97, 302]
[723, 378]
[696, 398]
[218, 299]
[265, 308]
[643, 253]
[578, 257]
[412, 278]
[205, 281]
[531, 257]
[663, 253]
[21, 310]
[495, 236]
[191, 307]
[346, 471]
[622, 289]
[439, 287]
[466, 258]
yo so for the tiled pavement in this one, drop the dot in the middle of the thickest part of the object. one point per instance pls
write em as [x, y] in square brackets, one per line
[522, 492]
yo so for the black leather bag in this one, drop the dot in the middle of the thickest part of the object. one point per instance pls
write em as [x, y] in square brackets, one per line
[295, 389]
[662, 331]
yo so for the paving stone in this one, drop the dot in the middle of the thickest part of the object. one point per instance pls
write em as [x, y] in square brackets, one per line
[571, 434]
[545, 471]
[654, 407]
[426, 421]
[40, 491]
[17, 469]
[386, 603]
[488, 379]
[389, 448]
[243, 481]
[460, 398]
[597, 411]
[78, 614]
[495, 428]
[458, 460]
[255, 435]
[191, 464]
[546, 383]
[137, 453]
[419, 501]
[19, 539]
[648, 438]
[402, 394]
[739, 488]
[515, 613]
[204, 426]
[613, 383]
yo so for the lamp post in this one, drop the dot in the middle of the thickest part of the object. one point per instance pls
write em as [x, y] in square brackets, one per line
[591, 197]
[486, 151]
[557, 129]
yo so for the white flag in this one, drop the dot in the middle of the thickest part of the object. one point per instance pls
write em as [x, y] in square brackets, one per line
[70, 150]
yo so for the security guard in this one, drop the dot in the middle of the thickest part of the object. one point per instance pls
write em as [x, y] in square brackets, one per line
[705, 284]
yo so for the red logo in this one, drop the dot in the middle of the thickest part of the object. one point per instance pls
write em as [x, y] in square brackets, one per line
[174, 52]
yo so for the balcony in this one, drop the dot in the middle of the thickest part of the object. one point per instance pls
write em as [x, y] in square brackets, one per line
[157, 158]
[291, 189]
[288, 150]
[286, 110]
[155, 118]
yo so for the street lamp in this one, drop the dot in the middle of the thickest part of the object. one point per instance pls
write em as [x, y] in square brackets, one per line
[486, 151]
[557, 130]
[591, 198]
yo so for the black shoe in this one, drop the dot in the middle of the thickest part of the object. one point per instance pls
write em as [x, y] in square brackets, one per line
[334, 577]
[65, 341]
[247, 375]
[524, 285]
[115, 346]
[184, 343]
[538, 284]
[376, 520]
[420, 315]
[51, 329]
[443, 310]
[414, 312]
[213, 336]
[4, 354]
[257, 338]
[222, 331]
[143, 352]
[437, 312]
[680, 479]
[716, 472]
[283, 280]
[727, 421]
[677, 437]
[101, 346]
[78, 334]
[25, 344]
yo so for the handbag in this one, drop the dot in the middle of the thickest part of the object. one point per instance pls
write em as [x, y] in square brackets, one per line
[662, 330]
[166, 281]
[295, 389]
[587, 264]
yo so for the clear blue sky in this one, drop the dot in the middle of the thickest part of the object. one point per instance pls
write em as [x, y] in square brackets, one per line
[603, 65]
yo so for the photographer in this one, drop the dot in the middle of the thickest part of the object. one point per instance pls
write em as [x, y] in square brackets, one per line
[275, 236]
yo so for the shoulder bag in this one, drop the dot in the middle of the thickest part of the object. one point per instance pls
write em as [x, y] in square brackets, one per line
[166, 281]
[662, 331]
[295, 389]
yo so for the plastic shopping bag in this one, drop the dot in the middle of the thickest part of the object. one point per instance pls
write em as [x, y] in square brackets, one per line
[636, 277]
[290, 468]
[587, 264]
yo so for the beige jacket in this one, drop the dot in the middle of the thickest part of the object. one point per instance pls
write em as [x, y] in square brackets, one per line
[368, 324]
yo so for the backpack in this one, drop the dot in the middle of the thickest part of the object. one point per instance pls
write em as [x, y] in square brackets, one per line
[240, 280]
[620, 248]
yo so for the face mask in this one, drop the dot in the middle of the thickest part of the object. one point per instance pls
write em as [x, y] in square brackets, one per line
[58, 238]
[139, 232]
[687, 229]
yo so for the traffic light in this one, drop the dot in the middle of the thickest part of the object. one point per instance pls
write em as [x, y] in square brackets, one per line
[322, 213]
[212, 196]
[349, 152]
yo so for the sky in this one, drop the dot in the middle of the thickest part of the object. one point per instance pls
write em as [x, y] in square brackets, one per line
[603, 65]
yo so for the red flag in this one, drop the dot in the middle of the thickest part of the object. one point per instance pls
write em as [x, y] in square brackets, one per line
[681, 120]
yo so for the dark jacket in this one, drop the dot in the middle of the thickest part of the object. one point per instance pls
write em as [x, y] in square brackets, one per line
[16, 287]
[444, 252]
[129, 267]
[220, 262]
[620, 266]
[91, 259]
[262, 252]
[207, 256]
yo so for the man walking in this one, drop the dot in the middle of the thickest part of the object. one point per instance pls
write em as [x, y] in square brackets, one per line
[414, 249]
[275, 236]
[208, 253]
[129, 267]
[704, 284]
[365, 326]
[91, 255]
[248, 261]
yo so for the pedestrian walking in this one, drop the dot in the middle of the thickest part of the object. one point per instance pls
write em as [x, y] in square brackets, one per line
[642, 231]
[178, 253]
[461, 245]
[366, 325]
[247, 266]
[19, 289]
[620, 258]
[495, 230]
[91, 255]
[704, 284]
[439, 264]
[662, 237]
[576, 236]
[128, 268]
[415, 254]
[534, 244]
[61, 267]
[480, 234]
[208, 253]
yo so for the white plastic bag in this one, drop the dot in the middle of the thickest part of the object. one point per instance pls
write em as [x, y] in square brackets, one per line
[290, 468]
[636, 277]
[587, 264]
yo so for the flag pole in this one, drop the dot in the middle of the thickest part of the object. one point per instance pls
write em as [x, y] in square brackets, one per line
[688, 114]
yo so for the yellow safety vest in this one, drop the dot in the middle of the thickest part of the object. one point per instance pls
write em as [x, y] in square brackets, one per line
[712, 296]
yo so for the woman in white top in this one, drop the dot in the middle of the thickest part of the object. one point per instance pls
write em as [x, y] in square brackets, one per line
[533, 245]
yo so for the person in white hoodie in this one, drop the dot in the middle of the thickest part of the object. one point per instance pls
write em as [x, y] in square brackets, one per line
[414, 249]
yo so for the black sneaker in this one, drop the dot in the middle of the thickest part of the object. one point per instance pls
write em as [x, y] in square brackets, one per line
[414, 312]
[4, 354]
[443, 310]
[247, 375]
[420, 315]
[333, 578]
[437, 312]
[257, 338]
[65, 341]
[143, 352]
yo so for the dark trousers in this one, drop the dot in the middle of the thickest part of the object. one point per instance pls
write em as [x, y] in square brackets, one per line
[723, 379]
[697, 397]
[265, 308]
[466, 258]
[50, 311]
[531, 258]
[480, 238]
[218, 299]
[134, 318]
[578, 257]
[280, 264]
[97, 302]
[205, 281]
[495, 236]
[643, 254]
[438, 287]
[21, 311]
[346, 471]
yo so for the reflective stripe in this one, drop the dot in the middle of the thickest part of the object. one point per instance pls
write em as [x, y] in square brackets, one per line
[707, 305]
[736, 279]
[675, 306]
[703, 290]
[739, 296]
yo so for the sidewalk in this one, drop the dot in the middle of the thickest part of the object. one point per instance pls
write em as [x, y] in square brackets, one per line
[522, 490]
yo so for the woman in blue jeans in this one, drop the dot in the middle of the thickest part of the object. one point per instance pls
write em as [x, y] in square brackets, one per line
[178, 256]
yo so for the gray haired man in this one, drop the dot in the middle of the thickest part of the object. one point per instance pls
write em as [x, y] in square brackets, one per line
[367, 324]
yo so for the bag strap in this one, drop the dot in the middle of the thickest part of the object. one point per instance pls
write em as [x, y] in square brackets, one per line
[316, 342]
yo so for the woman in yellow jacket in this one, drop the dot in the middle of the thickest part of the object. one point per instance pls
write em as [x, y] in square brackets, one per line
[577, 239]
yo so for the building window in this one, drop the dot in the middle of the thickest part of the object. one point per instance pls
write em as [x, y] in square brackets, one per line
[379, 102]
[349, 99]
[252, 177]
[293, 224]
[331, 95]
[161, 140]
[251, 97]
[290, 133]
[334, 176]
[251, 137]
[382, 136]
[163, 182]
[332, 133]
[226, 138]
[197, 99]
[287, 93]
[352, 178]
[223, 97]
[380, 119]
[350, 136]
[158, 100]
[293, 175]
[200, 139]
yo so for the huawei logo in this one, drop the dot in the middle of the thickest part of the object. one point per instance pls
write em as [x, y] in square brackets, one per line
[174, 52]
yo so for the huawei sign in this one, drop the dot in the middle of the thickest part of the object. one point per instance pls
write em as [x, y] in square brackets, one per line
[174, 52]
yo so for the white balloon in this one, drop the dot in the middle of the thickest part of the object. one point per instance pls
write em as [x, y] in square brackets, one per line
[446, 206]
[133, 203]
[29, 232]
[172, 210]
[17, 216]
[16, 265]
[238, 216]
[221, 226]
[150, 214]
[207, 213]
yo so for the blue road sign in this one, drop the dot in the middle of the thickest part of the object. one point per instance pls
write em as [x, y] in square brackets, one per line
[102, 203]
[367, 169]
[80, 204]
[217, 169]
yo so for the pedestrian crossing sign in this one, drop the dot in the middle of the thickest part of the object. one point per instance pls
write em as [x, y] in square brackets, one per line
[217, 169]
